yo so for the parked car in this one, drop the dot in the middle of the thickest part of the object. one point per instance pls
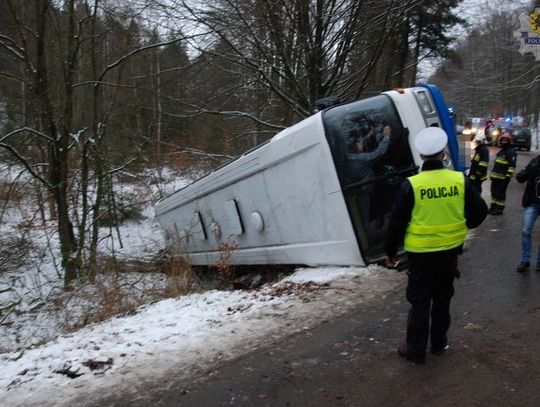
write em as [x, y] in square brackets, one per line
[523, 139]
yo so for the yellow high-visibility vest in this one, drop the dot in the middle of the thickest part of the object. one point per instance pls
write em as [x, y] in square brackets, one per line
[438, 216]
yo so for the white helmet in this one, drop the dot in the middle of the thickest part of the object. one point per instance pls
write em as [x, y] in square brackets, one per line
[479, 138]
[430, 141]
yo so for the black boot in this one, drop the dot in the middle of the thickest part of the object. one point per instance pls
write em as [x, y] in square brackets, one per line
[403, 353]
[523, 267]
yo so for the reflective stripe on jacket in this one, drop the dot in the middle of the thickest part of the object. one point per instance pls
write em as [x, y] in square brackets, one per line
[479, 164]
[438, 216]
[505, 164]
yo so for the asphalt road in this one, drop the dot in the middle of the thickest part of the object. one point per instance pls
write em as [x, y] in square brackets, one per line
[351, 361]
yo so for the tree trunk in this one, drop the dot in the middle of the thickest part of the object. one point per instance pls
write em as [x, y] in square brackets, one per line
[158, 109]
[403, 53]
[58, 150]
[416, 56]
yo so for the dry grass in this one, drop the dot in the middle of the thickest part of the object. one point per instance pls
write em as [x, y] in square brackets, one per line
[14, 252]
[125, 286]
[180, 278]
[225, 270]
[110, 300]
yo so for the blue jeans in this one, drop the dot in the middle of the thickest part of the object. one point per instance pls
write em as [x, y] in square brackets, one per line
[530, 213]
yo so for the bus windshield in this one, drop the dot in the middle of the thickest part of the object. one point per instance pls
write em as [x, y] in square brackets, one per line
[367, 139]
[372, 157]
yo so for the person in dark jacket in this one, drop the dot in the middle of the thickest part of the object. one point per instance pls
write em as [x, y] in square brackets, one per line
[432, 213]
[479, 163]
[531, 204]
[325, 103]
[360, 168]
[501, 174]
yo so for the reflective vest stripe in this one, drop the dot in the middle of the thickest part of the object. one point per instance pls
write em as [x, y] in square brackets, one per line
[438, 228]
[435, 243]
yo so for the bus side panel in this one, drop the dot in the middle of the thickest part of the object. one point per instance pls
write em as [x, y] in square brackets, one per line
[287, 198]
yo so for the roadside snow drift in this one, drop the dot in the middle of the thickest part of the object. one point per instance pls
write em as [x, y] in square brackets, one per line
[190, 335]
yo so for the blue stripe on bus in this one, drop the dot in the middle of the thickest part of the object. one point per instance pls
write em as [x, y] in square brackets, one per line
[447, 123]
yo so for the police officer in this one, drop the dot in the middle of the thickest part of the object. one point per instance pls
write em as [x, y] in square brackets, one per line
[502, 172]
[431, 215]
[479, 162]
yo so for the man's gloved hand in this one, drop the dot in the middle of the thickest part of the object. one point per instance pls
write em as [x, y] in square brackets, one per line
[391, 262]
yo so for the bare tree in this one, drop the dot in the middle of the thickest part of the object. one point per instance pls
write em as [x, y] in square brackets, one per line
[299, 50]
[488, 75]
[71, 110]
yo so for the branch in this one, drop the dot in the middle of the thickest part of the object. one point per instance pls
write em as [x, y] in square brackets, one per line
[203, 153]
[96, 83]
[25, 163]
[11, 308]
[201, 111]
[11, 76]
[12, 47]
[134, 52]
[112, 171]
[38, 133]
[194, 151]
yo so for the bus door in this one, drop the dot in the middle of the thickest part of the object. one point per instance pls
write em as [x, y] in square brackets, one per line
[372, 157]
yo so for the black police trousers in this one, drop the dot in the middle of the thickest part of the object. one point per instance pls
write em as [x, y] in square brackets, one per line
[477, 184]
[429, 291]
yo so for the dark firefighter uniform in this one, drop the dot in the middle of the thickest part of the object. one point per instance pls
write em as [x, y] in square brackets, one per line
[432, 212]
[479, 166]
[502, 172]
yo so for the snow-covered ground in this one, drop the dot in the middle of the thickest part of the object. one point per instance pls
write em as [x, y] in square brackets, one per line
[188, 335]
[33, 305]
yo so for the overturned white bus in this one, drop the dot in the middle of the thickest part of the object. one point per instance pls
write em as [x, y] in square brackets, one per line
[318, 193]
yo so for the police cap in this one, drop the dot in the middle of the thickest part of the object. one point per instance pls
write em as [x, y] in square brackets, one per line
[430, 141]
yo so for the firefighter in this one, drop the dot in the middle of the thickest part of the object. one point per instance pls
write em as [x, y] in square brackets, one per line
[432, 213]
[501, 173]
[479, 162]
